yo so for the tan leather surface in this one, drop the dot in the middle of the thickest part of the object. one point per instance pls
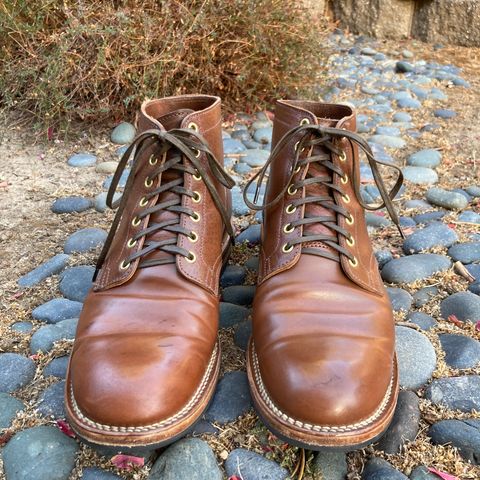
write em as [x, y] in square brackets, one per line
[146, 335]
[323, 331]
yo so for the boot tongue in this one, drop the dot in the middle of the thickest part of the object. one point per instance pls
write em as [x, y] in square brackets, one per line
[314, 209]
[169, 121]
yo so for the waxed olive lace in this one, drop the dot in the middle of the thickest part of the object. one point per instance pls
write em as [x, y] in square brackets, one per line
[311, 136]
[179, 142]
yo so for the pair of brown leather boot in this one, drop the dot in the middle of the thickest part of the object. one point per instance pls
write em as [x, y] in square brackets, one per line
[321, 361]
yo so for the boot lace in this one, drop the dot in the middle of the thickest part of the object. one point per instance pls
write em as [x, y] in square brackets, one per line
[178, 144]
[312, 136]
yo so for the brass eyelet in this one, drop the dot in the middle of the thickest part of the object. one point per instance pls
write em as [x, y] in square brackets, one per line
[343, 156]
[152, 160]
[297, 169]
[191, 257]
[296, 147]
[288, 228]
[344, 179]
[290, 208]
[197, 176]
[287, 248]
[346, 198]
[195, 217]
[148, 182]
[304, 121]
[196, 197]
[197, 152]
[124, 266]
[193, 237]
[350, 220]
[193, 126]
[131, 243]
[136, 222]
[350, 241]
[353, 262]
[143, 201]
[291, 190]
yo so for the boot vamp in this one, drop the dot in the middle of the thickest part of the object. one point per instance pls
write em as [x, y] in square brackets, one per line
[325, 346]
[142, 348]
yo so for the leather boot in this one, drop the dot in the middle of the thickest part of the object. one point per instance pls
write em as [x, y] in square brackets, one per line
[146, 358]
[321, 360]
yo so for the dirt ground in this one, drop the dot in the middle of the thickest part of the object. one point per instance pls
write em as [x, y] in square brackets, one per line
[33, 174]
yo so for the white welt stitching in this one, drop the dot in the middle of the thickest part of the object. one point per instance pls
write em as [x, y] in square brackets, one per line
[316, 428]
[153, 426]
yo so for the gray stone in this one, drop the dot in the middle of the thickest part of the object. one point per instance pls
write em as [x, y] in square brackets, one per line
[231, 400]
[100, 202]
[39, 453]
[383, 257]
[407, 54]
[239, 207]
[446, 199]
[400, 299]
[462, 393]
[22, 327]
[76, 282]
[239, 294]
[422, 473]
[473, 190]
[424, 321]
[414, 267]
[379, 469]
[417, 204]
[420, 175]
[52, 266]
[460, 351]
[416, 357]
[404, 67]
[388, 141]
[243, 332]
[82, 160]
[9, 407]
[402, 117]
[71, 205]
[465, 252]
[106, 167]
[405, 423]
[231, 314]
[232, 275]
[424, 295]
[249, 465]
[85, 240]
[45, 337]
[242, 168]
[411, 103]
[469, 216]
[263, 135]
[252, 263]
[433, 235]
[462, 434]
[444, 113]
[57, 310]
[57, 367]
[121, 182]
[123, 133]
[232, 146]
[51, 402]
[385, 130]
[94, 473]
[16, 371]
[251, 235]
[330, 465]
[429, 217]
[464, 305]
[375, 220]
[255, 157]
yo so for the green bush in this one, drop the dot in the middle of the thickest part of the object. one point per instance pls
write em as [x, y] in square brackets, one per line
[63, 60]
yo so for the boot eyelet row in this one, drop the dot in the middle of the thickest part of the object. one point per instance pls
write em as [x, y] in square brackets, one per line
[152, 160]
[143, 201]
[195, 217]
[193, 126]
[131, 243]
[346, 198]
[288, 228]
[193, 237]
[148, 182]
[287, 248]
[136, 222]
[196, 197]
[290, 208]
[343, 156]
[296, 147]
[196, 152]
[344, 179]
[197, 176]
[350, 220]
[124, 266]
[350, 241]
[304, 121]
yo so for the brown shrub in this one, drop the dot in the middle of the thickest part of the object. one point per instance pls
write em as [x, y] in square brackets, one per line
[62, 60]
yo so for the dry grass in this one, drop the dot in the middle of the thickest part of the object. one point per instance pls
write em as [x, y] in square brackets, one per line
[62, 60]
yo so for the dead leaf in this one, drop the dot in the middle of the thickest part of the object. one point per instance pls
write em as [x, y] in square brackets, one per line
[4, 439]
[65, 428]
[443, 475]
[127, 462]
[453, 319]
